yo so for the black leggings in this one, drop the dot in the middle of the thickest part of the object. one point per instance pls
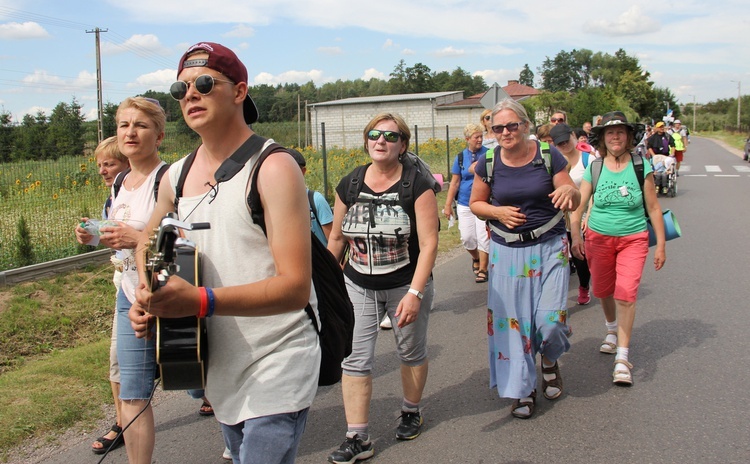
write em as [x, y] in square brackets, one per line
[582, 267]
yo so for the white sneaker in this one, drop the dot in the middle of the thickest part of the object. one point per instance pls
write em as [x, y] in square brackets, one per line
[386, 324]
[226, 454]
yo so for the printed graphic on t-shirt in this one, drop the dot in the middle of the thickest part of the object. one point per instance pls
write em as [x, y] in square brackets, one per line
[624, 195]
[378, 230]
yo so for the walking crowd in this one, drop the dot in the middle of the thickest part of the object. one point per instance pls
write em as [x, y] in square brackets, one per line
[533, 205]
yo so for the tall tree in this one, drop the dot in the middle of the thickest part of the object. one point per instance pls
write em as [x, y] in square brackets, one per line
[526, 77]
[65, 131]
[7, 137]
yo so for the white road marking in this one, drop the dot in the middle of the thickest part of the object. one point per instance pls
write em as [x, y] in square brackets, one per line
[742, 168]
[712, 168]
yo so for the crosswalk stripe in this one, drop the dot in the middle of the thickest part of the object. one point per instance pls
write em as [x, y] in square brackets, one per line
[712, 168]
[742, 168]
[685, 168]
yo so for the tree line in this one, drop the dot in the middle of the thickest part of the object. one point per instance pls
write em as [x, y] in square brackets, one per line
[581, 82]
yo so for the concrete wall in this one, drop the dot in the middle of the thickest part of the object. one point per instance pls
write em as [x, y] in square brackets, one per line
[344, 123]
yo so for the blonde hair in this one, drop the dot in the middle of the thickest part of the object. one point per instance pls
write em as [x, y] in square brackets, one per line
[472, 128]
[148, 106]
[108, 149]
[482, 122]
[402, 128]
[543, 131]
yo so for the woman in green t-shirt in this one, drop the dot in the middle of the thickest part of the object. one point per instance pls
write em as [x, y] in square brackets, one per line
[616, 243]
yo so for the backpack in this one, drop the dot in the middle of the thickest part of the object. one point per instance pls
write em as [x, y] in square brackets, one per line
[120, 178]
[336, 328]
[596, 170]
[413, 167]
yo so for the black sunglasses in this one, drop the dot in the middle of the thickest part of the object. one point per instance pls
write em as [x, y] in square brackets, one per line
[487, 118]
[204, 84]
[557, 119]
[512, 127]
[389, 136]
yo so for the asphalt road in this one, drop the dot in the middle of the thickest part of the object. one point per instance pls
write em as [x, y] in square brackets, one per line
[688, 346]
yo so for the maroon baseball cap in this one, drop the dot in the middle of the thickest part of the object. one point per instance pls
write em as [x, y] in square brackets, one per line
[223, 60]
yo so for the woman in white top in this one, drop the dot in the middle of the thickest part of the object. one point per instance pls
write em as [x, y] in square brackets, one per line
[566, 141]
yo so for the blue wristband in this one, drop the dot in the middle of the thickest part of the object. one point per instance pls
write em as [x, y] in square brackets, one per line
[211, 302]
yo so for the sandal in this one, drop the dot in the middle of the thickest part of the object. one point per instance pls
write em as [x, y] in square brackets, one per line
[206, 409]
[475, 266]
[521, 403]
[108, 444]
[622, 376]
[555, 383]
[608, 347]
[481, 277]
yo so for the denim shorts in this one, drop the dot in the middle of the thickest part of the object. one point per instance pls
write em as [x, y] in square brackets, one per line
[136, 356]
[265, 439]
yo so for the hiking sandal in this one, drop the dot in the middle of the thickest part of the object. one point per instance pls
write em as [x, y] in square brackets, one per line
[608, 347]
[481, 277]
[524, 402]
[475, 266]
[622, 376]
[555, 383]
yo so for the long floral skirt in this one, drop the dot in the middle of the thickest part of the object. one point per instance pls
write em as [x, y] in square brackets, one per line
[527, 312]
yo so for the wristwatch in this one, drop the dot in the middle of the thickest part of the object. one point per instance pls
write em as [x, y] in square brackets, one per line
[416, 293]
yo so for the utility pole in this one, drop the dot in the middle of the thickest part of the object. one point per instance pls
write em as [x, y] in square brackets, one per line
[693, 113]
[739, 101]
[99, 107]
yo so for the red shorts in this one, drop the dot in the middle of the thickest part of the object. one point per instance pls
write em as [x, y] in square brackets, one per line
[678, 155]
[616, 264]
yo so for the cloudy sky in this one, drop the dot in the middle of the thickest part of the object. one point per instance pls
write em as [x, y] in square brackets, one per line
[698, 49]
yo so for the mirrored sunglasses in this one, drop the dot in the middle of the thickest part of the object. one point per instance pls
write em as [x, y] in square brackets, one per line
[389, 136]
[512, 127]
[204, 84]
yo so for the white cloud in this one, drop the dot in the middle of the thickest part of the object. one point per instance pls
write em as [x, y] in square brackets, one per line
[330, 51]
[43, 82]
[20, 31]
[408, 52]
[373, 73]
[389, 44]
[156, 80]
[499, 76]
[449, 52]
[288, 77]
[240, 31]
[630, 22]
[140, 44]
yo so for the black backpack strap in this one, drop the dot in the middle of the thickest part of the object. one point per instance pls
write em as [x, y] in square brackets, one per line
[183, 175]
[119, 179]
[313, 208]
[253, 198]
[157, 181]
[355, 185]
[460, 157]
[640, 175]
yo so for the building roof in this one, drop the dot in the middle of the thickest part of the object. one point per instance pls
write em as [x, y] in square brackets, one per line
[386, 98]
[514, 90]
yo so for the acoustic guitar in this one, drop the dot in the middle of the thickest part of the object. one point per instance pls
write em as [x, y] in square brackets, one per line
[181, 343]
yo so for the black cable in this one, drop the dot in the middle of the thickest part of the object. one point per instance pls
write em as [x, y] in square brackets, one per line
[122, 432]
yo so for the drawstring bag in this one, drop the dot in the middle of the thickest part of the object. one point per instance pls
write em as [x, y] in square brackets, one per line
[671, 228]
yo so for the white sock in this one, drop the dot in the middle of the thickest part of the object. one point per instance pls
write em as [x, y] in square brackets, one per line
[611, 327]
[551, 391]
[622, 353]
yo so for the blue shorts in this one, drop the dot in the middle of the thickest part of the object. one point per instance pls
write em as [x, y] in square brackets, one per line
[265, 439]
[136, 356]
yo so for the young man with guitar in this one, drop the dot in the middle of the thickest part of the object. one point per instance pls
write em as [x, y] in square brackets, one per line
[263, 353]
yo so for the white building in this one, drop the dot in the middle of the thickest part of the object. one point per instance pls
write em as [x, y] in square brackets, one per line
[431, 113]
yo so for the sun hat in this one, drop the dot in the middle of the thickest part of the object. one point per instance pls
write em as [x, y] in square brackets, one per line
[614, 118]
[677, 121]
[560, 133]
[223, 60]
[659, 124]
